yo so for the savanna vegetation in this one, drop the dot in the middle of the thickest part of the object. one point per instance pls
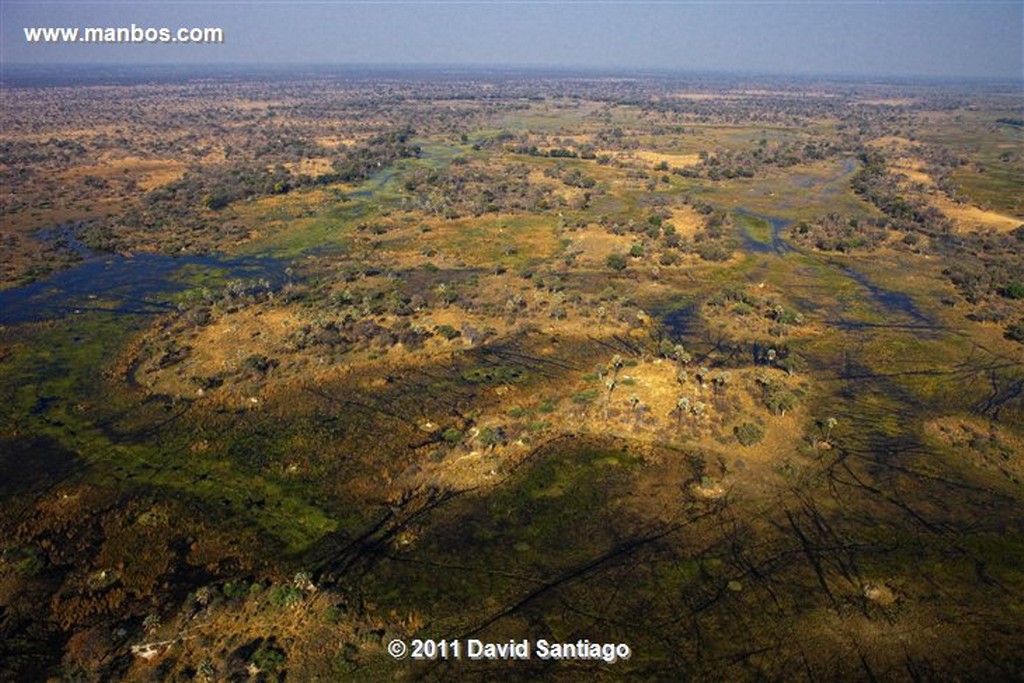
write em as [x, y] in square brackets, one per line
[727, 371]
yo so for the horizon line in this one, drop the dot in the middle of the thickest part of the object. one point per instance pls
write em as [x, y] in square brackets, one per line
[634, 71]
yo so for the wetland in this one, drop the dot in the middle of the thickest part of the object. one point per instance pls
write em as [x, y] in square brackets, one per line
[730, 372]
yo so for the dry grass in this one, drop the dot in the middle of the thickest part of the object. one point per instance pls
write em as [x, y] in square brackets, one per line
[967, 216]
[148, 173]
[687, 221]
[892, 141]
[597, 245]
[673, 160]
[888, 101]
[311, 167]
[980, 444]
[335, 141]
[702, 96]
[655, 158]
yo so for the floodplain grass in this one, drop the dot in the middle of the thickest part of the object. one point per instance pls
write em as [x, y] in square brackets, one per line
[995, 170]
[70, 401]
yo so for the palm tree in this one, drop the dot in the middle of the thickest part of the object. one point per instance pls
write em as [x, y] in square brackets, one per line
[611, 384]
[637, 405]
[151, 624]
[721, 378]
[830, 424]
[697, 408]
[682, 407]
[681, 355]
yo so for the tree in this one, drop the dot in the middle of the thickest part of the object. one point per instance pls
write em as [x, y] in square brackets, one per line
[829, 425]
[151, 624]
[698, 408]
[681, 355]
[682, 408]
[611, 384]
[206, 671]
[638, 408]
[721, 379]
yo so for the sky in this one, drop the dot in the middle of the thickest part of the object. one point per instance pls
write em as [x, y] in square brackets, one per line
[983, 38]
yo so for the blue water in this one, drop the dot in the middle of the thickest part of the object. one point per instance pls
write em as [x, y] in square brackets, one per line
[777, 245]
[144, 283]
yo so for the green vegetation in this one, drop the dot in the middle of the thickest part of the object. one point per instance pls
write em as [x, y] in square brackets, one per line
[748, 433]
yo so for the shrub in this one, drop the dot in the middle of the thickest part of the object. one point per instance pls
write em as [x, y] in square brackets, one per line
[259, 363]
[779, 399]
[616, 261]
[492, 436]
[286, 596]
[1014, 290]
[1016, 332]
[448, 332]
[269, 658]
[234, 590]
[748, 433]
[584, 397]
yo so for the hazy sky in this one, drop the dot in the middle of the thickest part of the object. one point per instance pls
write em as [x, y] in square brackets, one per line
[926, 38]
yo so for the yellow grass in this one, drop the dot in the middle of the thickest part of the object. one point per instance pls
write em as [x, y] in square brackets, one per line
[334, 141]
[892, 141]
[972, 217]
[967, 216]
[655, 158]
[148, 173]
[597, 245]
[312, 167]
[700, 96]
[687, 221]
[961, 432]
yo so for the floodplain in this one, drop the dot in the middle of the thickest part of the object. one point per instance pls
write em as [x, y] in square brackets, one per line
[731, 372]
